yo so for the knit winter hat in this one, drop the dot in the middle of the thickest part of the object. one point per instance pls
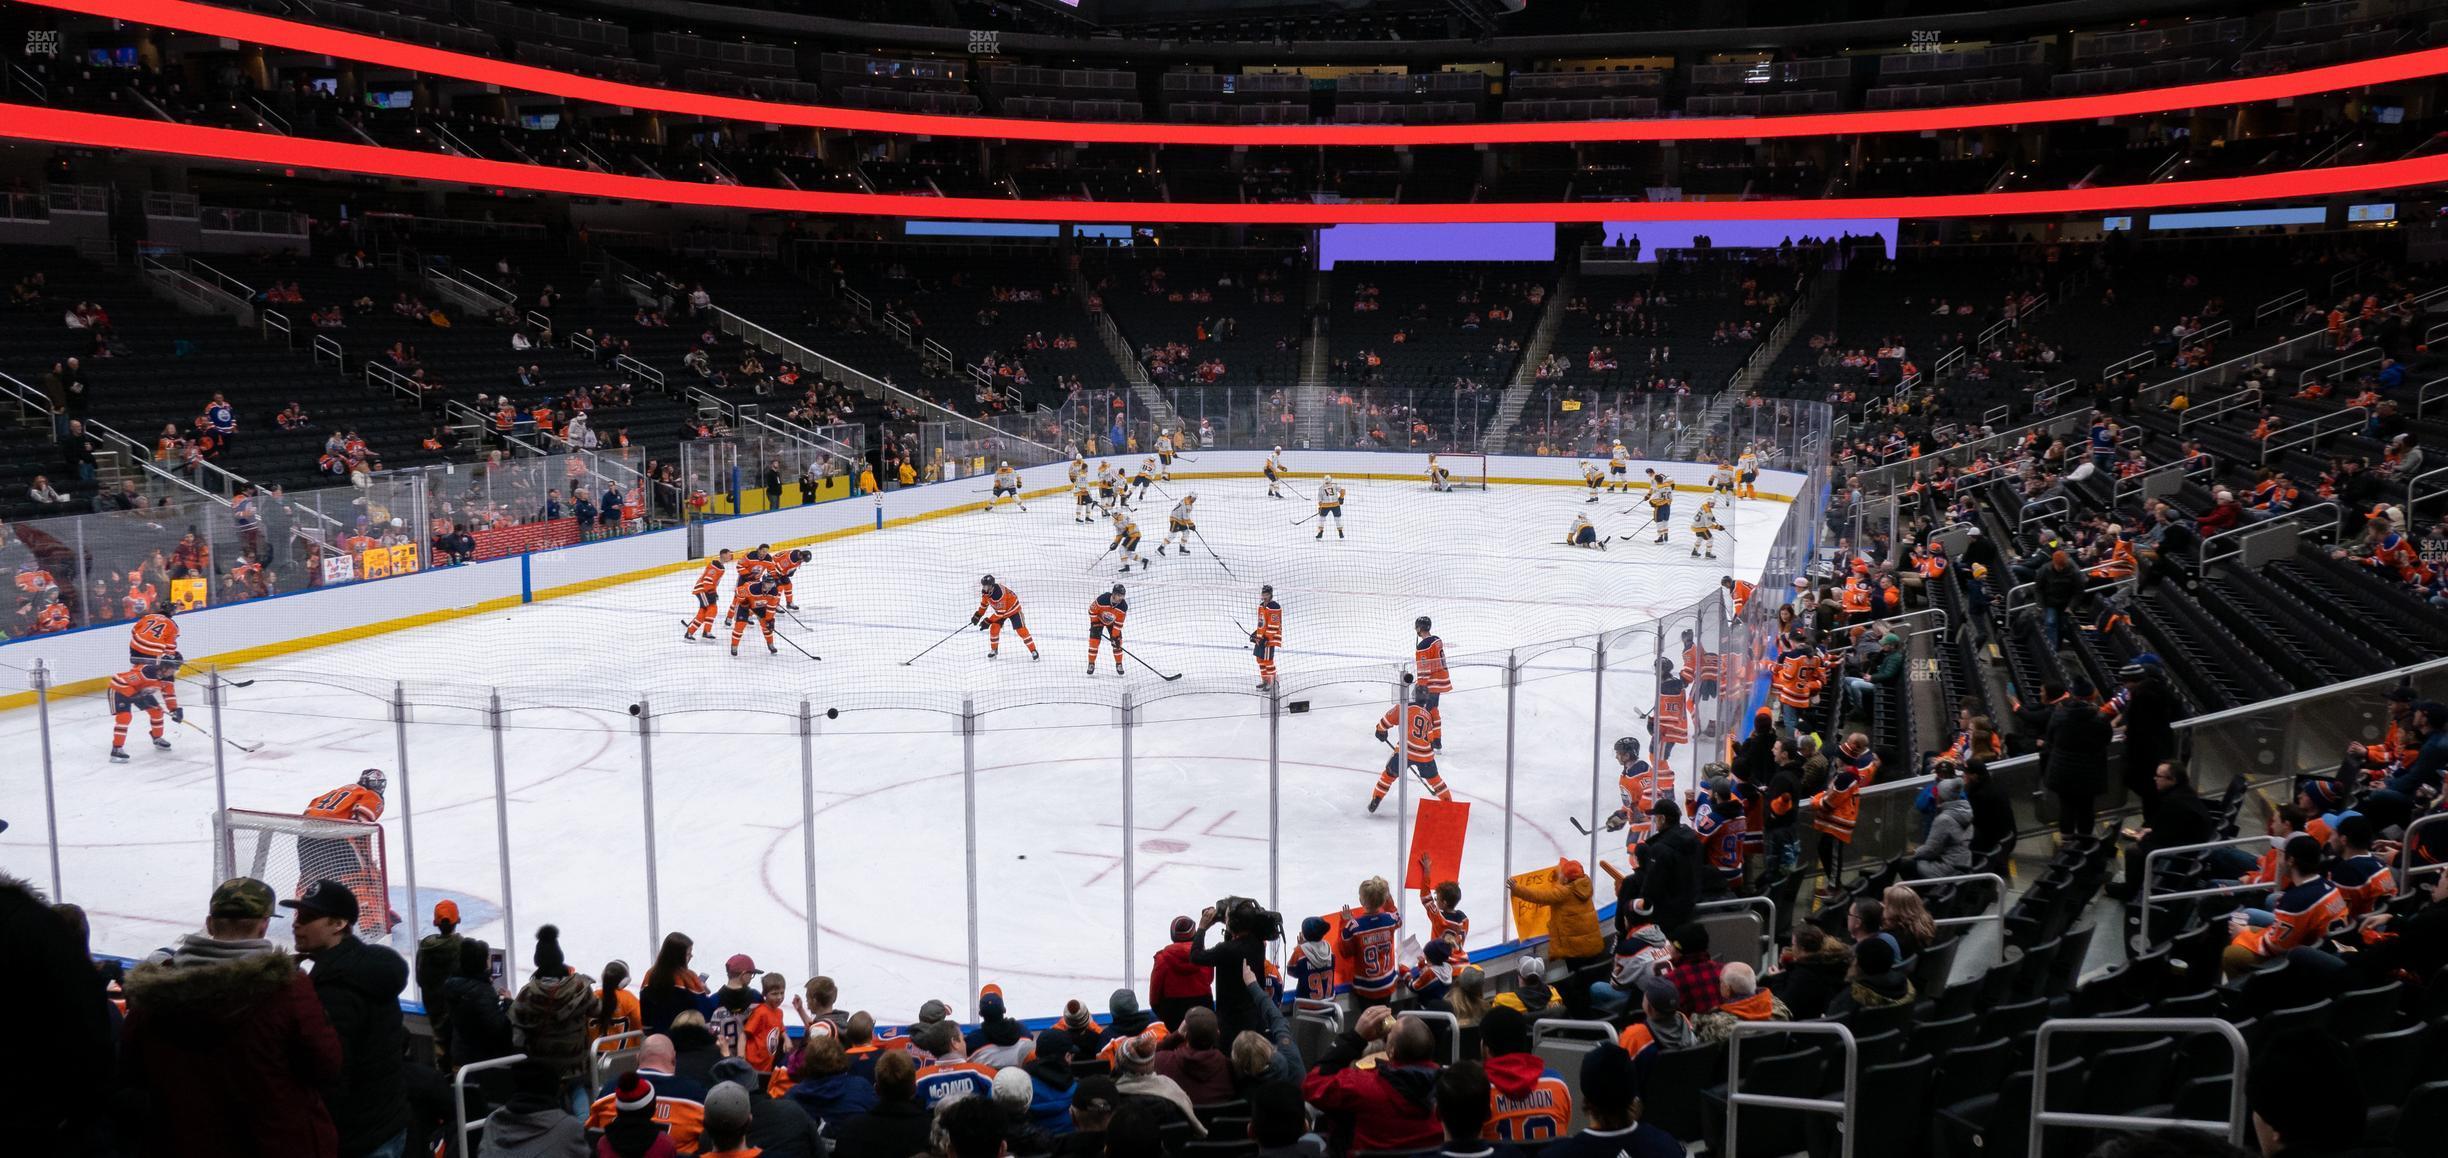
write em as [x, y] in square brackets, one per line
[726, 1110]
[1076, 1018]
[634, 1094]
[1313, 929]
[1123, 1003]
[548, 959]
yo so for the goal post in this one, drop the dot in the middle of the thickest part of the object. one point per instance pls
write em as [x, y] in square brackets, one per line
[1465, 470]
[289, 852]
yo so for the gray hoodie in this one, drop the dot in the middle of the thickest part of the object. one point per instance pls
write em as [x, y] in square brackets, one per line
[521, 1131]
[1948, 849]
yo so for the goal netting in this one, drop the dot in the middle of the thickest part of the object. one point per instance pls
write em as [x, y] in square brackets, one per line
[289, 852]
[1463, 470]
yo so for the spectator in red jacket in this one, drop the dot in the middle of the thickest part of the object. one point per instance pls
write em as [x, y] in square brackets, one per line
[226, 1045]
[1175, 985]
[1388, 1105]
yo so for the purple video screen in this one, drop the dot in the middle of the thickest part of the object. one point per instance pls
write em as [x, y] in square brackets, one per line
[1508, 241]
[1657, 235]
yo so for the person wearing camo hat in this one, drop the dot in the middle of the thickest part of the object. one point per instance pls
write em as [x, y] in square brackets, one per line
[225, 1017]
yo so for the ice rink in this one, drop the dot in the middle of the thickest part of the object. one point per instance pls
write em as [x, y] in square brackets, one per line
[892, 800]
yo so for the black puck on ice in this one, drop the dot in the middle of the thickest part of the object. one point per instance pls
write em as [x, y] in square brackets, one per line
[637, 709]
[832, 713]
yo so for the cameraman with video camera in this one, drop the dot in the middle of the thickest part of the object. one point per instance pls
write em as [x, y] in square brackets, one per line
[1247, 929]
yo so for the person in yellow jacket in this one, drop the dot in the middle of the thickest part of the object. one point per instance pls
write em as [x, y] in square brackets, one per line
[866, 480]
[1573, 938]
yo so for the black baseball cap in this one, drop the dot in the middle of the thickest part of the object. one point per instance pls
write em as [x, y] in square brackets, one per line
[326, 898]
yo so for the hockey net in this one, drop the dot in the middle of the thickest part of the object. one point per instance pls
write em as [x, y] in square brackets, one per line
[1465, 470]
[289, 852]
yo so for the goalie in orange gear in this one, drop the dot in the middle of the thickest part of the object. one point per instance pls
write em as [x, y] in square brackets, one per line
[996, 604]
[145, 686]
[708, 592]
[349, 860]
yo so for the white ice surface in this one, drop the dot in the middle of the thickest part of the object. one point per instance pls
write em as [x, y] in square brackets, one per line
[888, 804]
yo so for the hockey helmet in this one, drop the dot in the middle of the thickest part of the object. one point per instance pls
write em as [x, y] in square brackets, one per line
[1627, 747]
[373, 778]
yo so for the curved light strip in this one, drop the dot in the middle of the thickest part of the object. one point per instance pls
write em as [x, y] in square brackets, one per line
[94, 130]
[248, 26]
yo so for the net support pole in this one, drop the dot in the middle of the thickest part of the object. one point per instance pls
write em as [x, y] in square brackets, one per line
[654, 899]
[83, 603]
[1402, 794]
[501, 838]
[212, 698]
[969, 830]
[807, 824]
[1130, 855]
[1274, 799]
[1597, 736]
[1512, 685]
[41, 678]
[407, 814]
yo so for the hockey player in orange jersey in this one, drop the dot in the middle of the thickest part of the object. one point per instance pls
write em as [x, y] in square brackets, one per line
[145, 686]
[1420, 741]
[1105, 617]
[996, 605]
[1267, 638]
[756, 601]
[708, 592]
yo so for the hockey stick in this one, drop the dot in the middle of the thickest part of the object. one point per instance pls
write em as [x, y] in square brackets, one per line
[247, 748]
[932, 646]
[795, 647]
[1211, 553]
[1297, 522]
[1092, 563]
[1580, 827]
[1145, 664]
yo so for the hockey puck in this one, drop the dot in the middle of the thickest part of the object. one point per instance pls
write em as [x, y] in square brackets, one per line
[832, 713]
[637, 709]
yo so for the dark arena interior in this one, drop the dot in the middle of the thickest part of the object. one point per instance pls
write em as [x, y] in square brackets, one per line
[1947, 488]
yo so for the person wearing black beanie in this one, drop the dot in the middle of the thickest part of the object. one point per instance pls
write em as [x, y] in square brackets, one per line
[549, 1017]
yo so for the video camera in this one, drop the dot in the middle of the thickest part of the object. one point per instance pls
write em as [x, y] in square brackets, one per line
[1243, 917]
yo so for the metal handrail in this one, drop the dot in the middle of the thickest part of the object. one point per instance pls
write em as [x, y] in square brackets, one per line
[378, 374]
[1842, 1107]
[2238, 1121]
[2150, 867]
[1767, 926]
[2250, 396]
[2279, 304]
[776, 343]
[2307, 433]
[326, 346]
[2343, 364]
[222, 280]
[2405, 853]
[467, 275]
[459, 1118]
[142, 456]
[2132, 486]
[1453, 1030]
[2416, 482]
[2039, 509]
[2430, 392]
[601, 1056]
[1997, 915]
[579, 341]
[639, 370]
[2336, 517]
[32, 402]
